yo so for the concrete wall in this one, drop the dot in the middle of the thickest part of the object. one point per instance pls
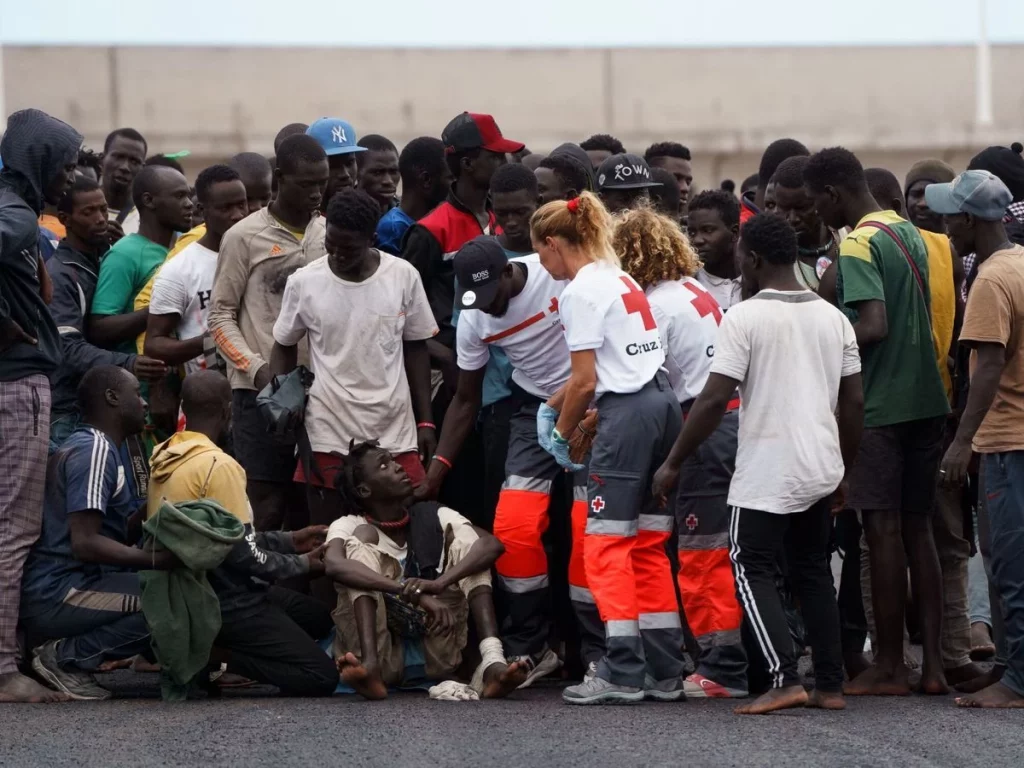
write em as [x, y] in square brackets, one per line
[892, 105]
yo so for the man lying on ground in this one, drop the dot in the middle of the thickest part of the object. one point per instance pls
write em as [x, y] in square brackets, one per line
[393, 552]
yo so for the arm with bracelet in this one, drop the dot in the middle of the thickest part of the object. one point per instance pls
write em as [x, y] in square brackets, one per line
[459, 422]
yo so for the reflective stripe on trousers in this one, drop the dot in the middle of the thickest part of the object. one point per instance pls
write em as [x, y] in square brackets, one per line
[707, 586]
[624, 548]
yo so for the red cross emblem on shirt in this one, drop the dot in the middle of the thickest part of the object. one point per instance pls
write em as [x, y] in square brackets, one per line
[691, 522]
[704, 302]
[597, 505]
[636, 301]
[553, 308]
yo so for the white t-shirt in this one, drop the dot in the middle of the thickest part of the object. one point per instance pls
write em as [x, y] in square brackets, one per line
[603, 309]
[130, 225]
[688, 318]
[355, 333]
[183, 287]
[530, 333]
[726, 290]
[788, 350]
[345, 526]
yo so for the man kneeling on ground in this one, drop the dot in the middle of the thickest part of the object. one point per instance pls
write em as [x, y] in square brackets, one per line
[267, 634]
[396, 552]
[80, 594]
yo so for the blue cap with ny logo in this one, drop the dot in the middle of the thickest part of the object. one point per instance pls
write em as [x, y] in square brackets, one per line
[336, 136]
[978, 193]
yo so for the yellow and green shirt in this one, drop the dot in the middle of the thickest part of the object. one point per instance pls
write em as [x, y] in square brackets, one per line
[901, 375]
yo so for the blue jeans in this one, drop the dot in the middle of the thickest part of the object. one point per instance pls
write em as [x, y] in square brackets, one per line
[1004, 497]
[100, 621]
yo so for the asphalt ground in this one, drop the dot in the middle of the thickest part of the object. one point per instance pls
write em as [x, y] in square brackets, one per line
[254, 728]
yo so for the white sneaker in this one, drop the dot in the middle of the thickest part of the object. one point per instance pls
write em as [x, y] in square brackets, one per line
[596, 690]
[538, 666]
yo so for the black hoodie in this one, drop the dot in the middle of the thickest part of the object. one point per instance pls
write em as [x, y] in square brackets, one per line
[35, 149]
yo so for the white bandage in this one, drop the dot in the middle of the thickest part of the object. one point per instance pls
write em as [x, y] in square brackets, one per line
[450, 690]
[491, 652]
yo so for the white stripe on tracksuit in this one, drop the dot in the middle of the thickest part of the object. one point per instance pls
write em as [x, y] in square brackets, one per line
[97, 466]
[749, 604]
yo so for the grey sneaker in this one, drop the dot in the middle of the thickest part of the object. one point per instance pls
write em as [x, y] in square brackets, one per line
[596, 690]
[78, 685]
[591, 671]
[664, 690]
[538, 666]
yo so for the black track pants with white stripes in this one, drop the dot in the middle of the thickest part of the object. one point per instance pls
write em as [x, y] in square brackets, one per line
[756, 539]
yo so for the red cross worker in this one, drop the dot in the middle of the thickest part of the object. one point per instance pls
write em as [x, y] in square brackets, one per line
[616, 366]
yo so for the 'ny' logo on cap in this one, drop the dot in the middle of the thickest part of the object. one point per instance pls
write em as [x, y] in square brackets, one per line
[338, 135]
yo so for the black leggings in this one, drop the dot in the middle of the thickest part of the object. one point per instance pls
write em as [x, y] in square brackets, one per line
[756, 540]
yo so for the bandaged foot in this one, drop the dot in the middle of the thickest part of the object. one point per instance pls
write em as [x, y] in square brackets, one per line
[495, 678]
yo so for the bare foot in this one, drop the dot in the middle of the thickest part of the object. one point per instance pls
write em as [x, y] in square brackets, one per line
[15, 687]
[855, 664]
[996, 696]
[501, 679]
[366, 682]
[140, 664]
[110, 666]
[826, 700]
[963, 674]
[878, 682]
[982, 647]
[932, 684]
[991, 677]
[777, 698]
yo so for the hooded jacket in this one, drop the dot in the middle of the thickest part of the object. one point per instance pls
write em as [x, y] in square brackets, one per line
[35, 149]
[74, 276]
[189, 466]
[182, 610]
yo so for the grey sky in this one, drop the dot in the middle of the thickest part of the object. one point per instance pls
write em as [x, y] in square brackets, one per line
[521, 23]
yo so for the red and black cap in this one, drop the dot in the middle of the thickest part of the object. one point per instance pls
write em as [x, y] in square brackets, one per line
[471, 131]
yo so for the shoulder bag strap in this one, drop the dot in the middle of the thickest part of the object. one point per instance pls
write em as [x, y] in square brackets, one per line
[906, 253]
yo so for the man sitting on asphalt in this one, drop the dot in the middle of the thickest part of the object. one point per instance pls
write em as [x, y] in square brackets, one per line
[267, 634]
[80, 594]
[394, 550]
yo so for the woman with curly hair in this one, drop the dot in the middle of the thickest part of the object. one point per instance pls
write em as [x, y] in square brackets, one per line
[656, 253]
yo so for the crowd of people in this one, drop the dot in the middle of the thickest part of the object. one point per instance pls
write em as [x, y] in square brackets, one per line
[461, 417]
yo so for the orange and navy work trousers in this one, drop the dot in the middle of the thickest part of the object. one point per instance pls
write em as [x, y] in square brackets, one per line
[520, 521]
[624, 551]
[705, 577]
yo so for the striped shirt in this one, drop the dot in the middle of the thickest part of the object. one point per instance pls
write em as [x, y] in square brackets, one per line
[84, 475]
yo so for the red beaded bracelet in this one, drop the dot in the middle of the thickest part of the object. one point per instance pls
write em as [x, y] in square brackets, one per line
[443, 460]
[422, 424]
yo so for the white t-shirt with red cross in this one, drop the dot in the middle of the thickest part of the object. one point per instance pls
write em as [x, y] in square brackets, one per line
[688, 317]
[604, 309]
[530, 333]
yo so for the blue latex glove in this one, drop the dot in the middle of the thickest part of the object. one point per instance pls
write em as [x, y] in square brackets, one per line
[546, 418]
[560, 450]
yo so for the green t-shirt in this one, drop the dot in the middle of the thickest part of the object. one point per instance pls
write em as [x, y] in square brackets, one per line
[901, 377]
[124, 272]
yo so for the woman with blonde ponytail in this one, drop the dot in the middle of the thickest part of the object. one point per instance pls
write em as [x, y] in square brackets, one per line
[659, 257]
[616, 364]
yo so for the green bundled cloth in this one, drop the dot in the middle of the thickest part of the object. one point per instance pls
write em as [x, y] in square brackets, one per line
[180, 606]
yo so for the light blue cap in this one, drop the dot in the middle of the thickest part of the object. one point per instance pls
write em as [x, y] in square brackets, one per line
[337, 137]
[978, 193]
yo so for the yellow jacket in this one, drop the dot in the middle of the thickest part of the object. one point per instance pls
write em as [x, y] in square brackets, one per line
[189, 466]
[943, 300]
